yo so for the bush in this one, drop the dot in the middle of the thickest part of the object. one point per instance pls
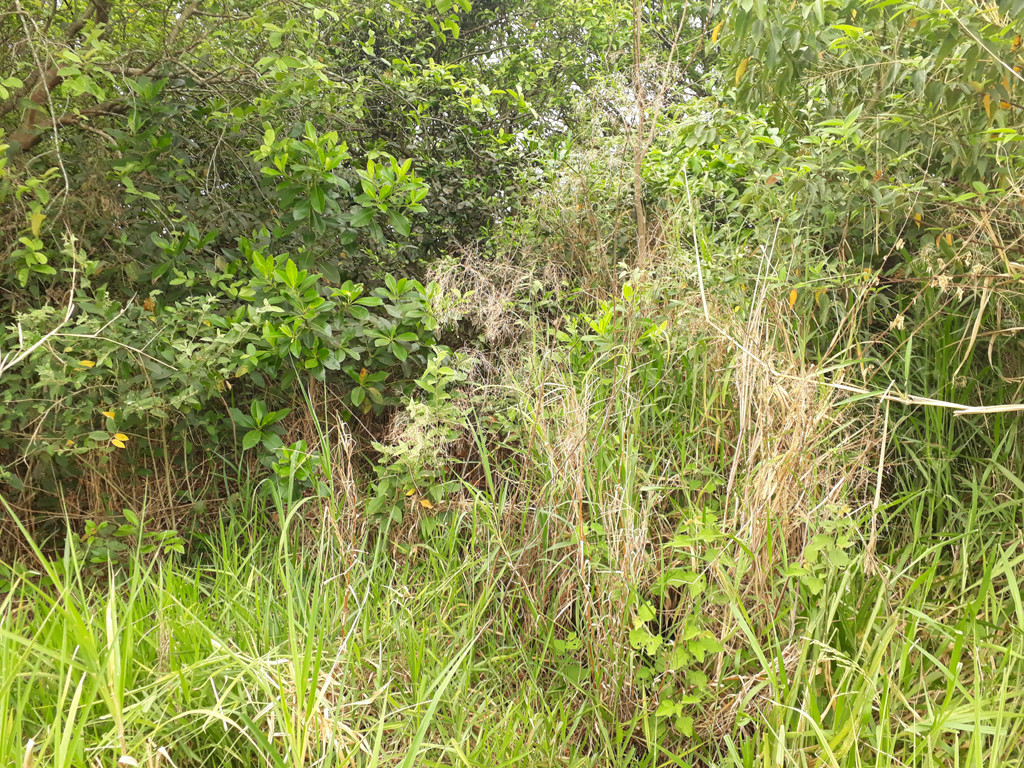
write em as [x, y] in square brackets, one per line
[136, 376]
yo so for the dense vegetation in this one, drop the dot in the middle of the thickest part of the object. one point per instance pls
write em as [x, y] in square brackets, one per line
[558, 382]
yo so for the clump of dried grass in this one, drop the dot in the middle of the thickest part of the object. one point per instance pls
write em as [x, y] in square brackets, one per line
[798, 447]
[495, 297]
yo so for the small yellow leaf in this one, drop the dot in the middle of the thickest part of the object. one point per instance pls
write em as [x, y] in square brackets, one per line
[120, 436]
[949, 239]
[1005, 104]
[118, 443]
[69, 443]
[792, 298]
[426, 503]
[741, 69]
[108, 414]
[410, 492]
[715, 31]
[917, 220]
[87, 363]
[1017, 41]
[853, 15]
[987, 101]
[36, 221]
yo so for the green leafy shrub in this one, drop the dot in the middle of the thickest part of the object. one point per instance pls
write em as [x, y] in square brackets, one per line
[121, 375]
[109, 543]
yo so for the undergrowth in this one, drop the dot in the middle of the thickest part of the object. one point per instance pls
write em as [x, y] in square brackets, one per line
[664, 412]
[651, 538]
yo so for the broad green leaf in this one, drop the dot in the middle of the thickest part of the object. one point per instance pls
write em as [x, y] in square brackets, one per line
[399, 222]
[362, 217]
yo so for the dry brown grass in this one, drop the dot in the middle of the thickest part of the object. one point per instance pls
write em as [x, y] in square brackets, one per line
[794, 440]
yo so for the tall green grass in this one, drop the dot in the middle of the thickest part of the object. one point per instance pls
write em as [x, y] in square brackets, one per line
[497, 629]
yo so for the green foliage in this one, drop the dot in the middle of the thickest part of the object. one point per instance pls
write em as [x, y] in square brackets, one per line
[299, 468]
[141, 369]
[411, 469]
[261, 426]
[861, 163]
[254, 174]
[852, 122]
[272, 116]
[106, 543]
[311, 186]
[707, 482]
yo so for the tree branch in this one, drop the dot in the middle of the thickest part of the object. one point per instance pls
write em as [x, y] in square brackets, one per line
[41, 84]
[182, 19]
[51, 80]
[27, 137]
